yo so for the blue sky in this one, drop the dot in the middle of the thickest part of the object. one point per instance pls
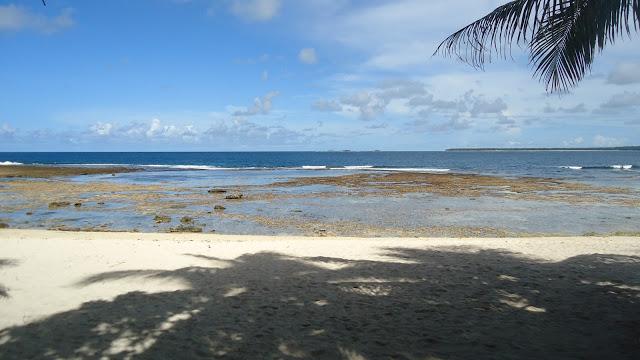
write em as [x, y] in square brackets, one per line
[224, 75]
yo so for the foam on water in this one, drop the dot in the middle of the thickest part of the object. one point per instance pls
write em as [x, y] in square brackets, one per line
[8, 163]
[617, 167]
[358, 167]
[97, 164]
[426, 170]
[188, 167]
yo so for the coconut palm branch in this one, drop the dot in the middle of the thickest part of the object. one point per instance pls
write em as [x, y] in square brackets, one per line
[562, 36]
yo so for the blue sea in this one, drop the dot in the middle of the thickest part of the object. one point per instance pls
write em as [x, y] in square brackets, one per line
[600, 167]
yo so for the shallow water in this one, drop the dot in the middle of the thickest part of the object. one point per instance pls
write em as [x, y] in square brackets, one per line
[304, 209]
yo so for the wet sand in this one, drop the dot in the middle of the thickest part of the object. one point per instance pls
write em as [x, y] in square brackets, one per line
[125, 295]
[32, 171]
[466, 185]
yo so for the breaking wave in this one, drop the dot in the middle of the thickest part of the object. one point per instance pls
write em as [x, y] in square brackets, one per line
[430, 170]
[616, 167]
[190, 167]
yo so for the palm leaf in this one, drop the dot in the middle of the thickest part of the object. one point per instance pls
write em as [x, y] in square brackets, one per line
[563, 36]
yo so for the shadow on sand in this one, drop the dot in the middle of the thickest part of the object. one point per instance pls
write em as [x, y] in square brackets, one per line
[4, 292]
[456, 303]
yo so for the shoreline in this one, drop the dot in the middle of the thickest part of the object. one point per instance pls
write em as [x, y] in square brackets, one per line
[47, 171]
[93, 235]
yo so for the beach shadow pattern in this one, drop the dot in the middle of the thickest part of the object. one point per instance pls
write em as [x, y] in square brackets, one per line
[444, 303]
[4, 291]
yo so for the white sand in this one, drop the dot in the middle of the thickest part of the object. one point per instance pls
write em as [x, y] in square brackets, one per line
[239, 296]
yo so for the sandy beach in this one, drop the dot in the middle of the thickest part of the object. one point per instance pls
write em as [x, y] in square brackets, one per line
[86, 295]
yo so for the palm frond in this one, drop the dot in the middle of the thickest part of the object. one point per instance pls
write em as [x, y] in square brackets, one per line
[563, 36]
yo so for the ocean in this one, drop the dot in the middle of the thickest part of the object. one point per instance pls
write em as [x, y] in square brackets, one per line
[177, 184]
[599, 167]
[534, 163]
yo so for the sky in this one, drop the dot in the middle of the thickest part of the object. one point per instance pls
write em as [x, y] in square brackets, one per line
[286, 75]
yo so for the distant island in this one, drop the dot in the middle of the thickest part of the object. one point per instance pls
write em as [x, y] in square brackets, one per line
[614, 148]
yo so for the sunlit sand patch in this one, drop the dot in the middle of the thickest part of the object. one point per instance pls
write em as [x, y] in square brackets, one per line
[534, 309]
[612, 284]
[293, 350]
[328, 265]
[368, 289]
[212, 262]
[508, 278]
[130, 343]
[235, 291]
[519, 302]
[112, 284]
[349, 354]
[373, 280]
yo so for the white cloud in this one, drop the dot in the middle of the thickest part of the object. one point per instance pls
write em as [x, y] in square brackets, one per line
[455, 123]
[255, 10]
[422, 123]
[308, 56]
[402, 33]
[368, 104]
[327, 105]
[579, 108]
[377, 126]
[101, 129]
[371, 103]
[401, 89]
[394, 58]
[261, 105]
[15, 18]
[573, 142]
[625, 73]
[265, 75]
[481, 106]
[240, 131]
[410, 98]
[600, 140]
[136, 134]
[6, 130]
[623, 100]
[156, 130]
[421, 101]
[234, 133]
